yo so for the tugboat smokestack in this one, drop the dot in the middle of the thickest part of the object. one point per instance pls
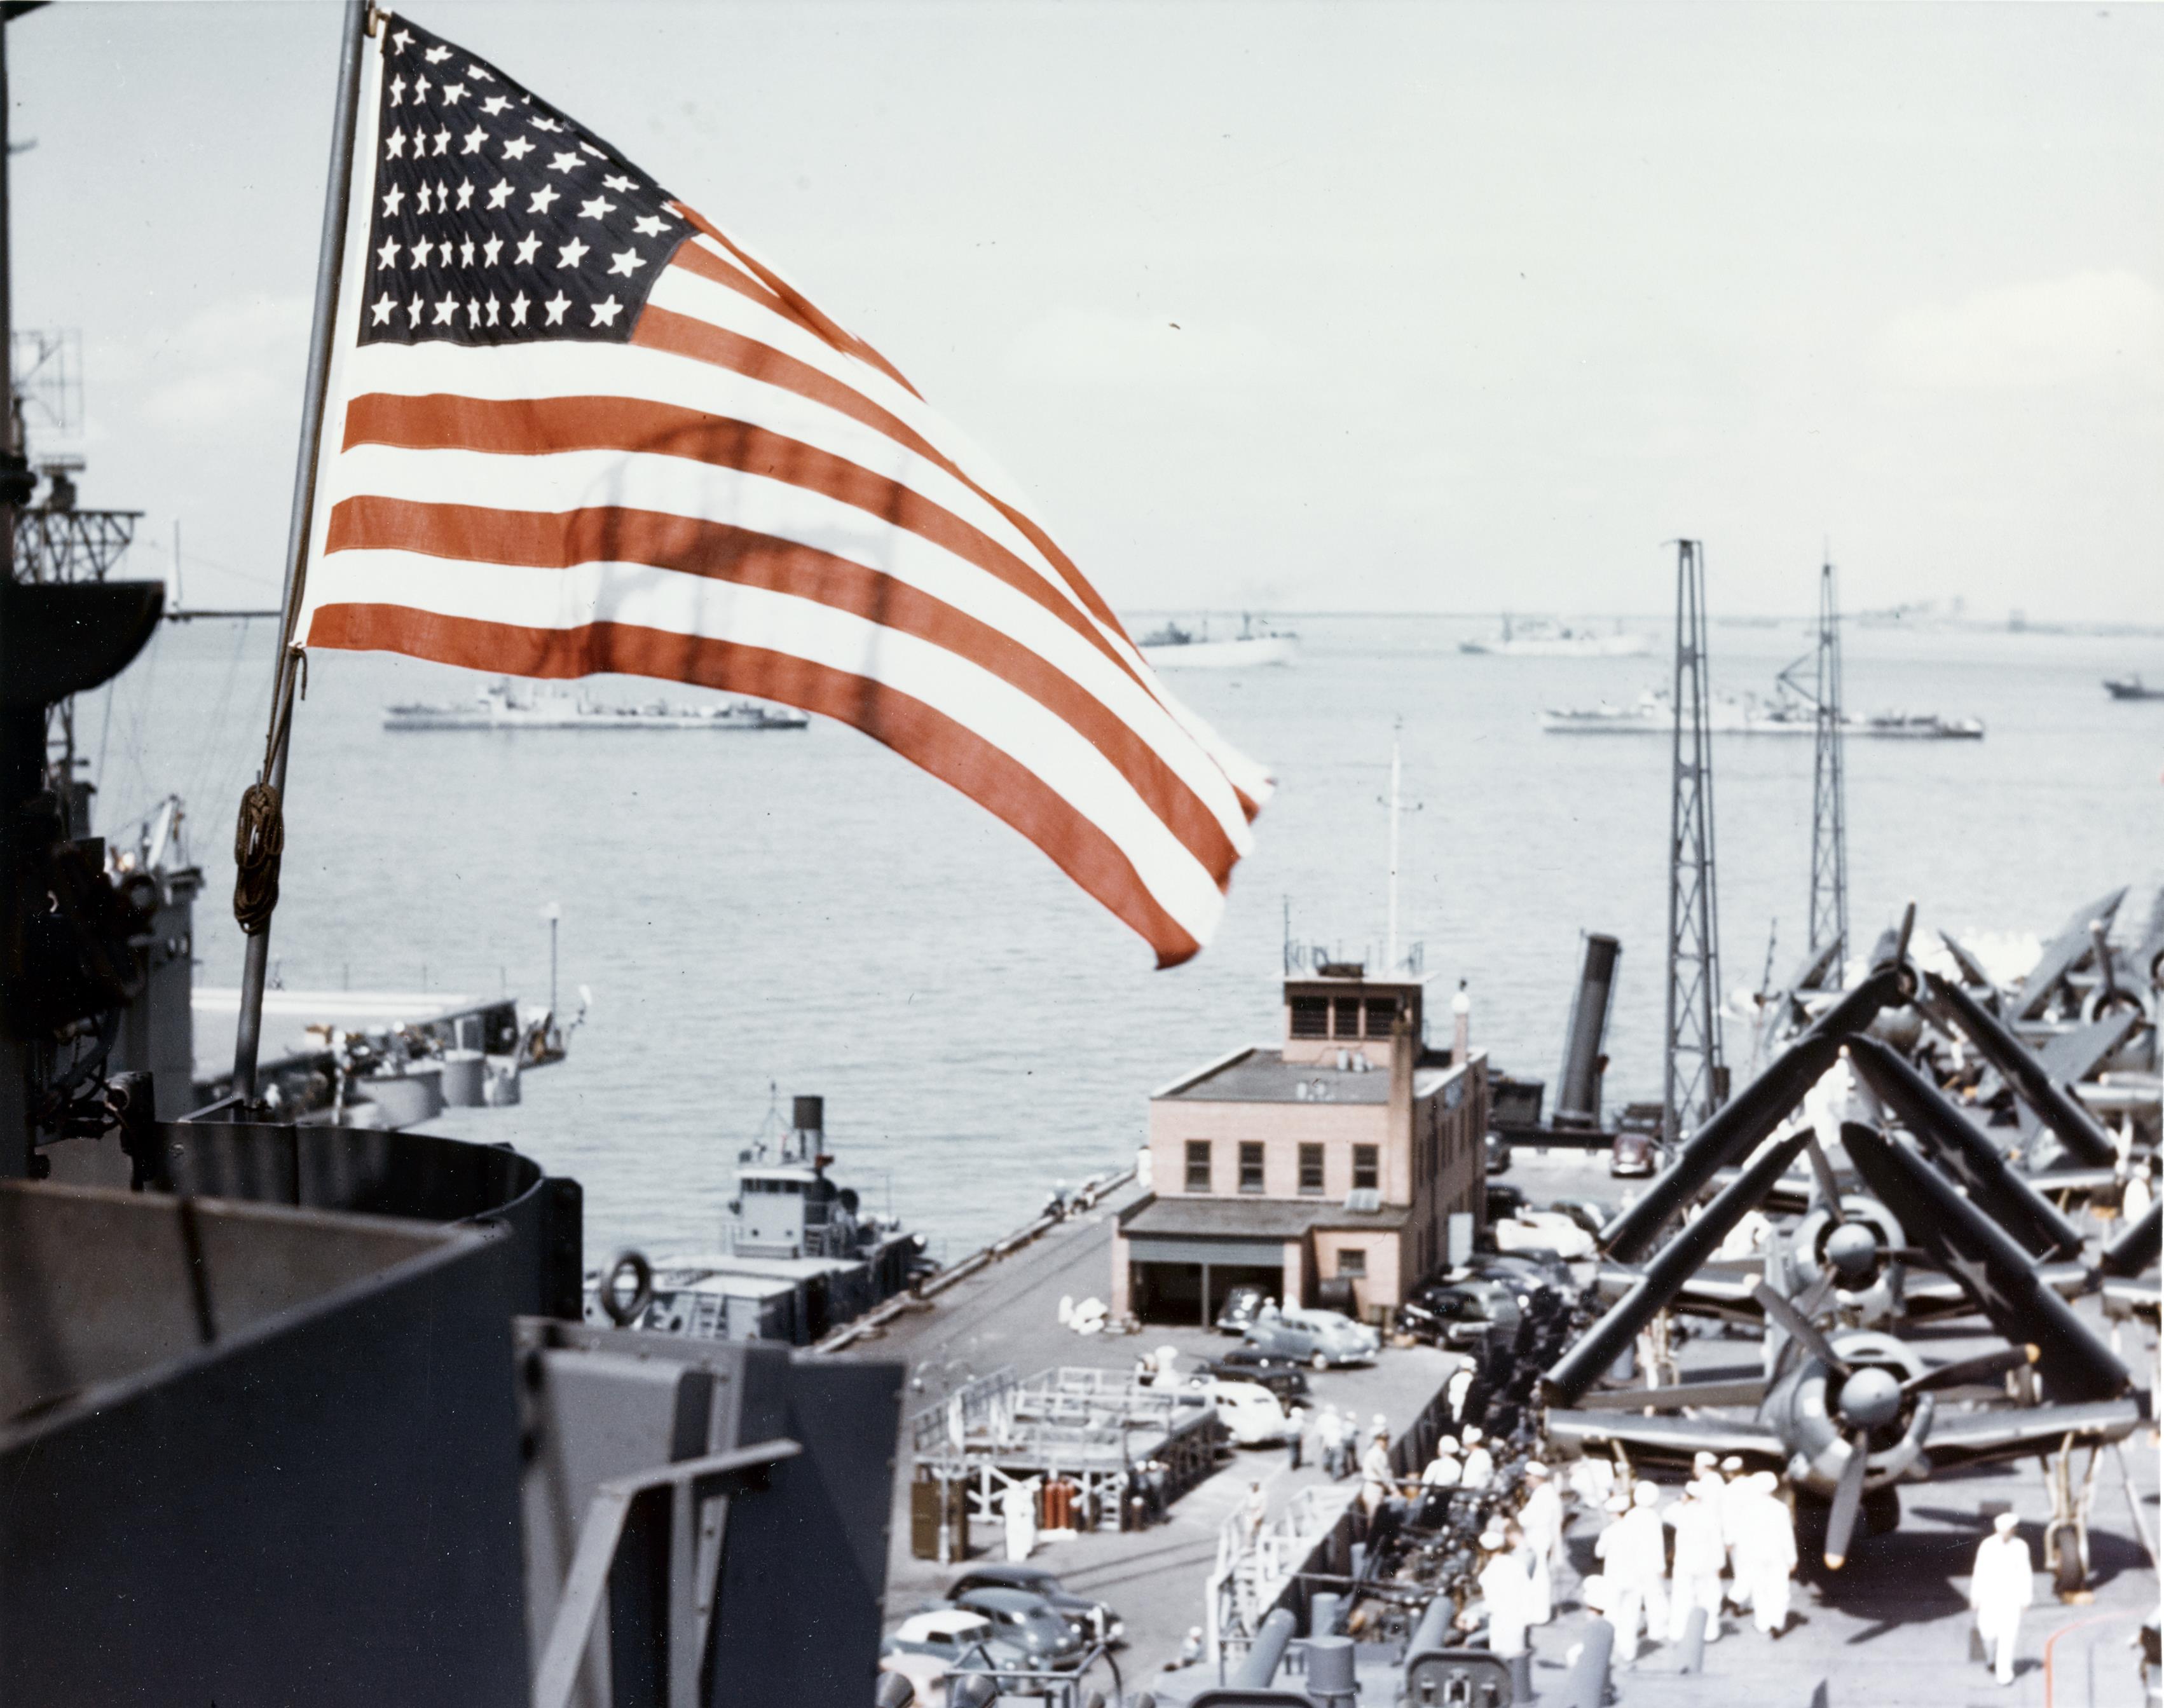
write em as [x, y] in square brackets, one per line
[808, 1114]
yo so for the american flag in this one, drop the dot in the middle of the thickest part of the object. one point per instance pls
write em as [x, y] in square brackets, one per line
[574, 427]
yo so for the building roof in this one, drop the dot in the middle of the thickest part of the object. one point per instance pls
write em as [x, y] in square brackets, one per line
[1262, 1074]
[1252, 1218]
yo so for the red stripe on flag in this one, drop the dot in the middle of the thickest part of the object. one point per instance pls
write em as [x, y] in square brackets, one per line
[928, 739]
[800, 308]
[538, 425]
[709, 266]
[540, 540]
[701, 340]
[671, 332]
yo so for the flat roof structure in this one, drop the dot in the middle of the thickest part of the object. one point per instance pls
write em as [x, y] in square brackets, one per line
[1251, 1219]
[1260, 1073]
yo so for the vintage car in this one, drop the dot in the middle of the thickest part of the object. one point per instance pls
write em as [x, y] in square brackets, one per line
[959, 1638]
[1284, 1377]
[1241, 1304]
[1091, 1620]
[1252, 1416]
[1030, 1622]
[1320, 1338]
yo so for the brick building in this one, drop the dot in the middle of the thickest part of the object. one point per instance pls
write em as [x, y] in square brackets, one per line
[1348, 1151]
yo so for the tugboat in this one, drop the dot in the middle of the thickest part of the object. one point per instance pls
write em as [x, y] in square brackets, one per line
[801, 1255]
[1173, 648]
[495, 708]
[2131, 688]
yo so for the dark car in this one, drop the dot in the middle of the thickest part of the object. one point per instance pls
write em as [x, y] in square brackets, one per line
[1241, 1304]
[1284, 1377]
[1499, 1154]
[1633, 1157]
[1029, 1621]
[1092, 1621]
[1459, 1313]
[1586, 1212]
[1503, 1202]
[1523, 1270]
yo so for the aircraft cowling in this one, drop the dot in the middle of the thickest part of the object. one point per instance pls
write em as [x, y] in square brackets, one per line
[1801, 1410]
[1871, 1299]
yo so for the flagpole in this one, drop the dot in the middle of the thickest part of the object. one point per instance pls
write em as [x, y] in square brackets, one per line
[259, 838]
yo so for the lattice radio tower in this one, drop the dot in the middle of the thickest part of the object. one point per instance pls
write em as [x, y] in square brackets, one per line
[1829, 787]
[1696, 1080]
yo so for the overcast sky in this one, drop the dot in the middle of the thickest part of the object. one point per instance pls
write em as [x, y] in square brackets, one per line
[1426, 308]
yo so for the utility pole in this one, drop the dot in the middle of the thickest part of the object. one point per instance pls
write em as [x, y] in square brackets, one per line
[1695, 1081]
[1828, 789]
[552, 912]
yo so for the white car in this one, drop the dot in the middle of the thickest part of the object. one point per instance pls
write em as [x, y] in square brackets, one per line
[1251, 1413]
[1544, 1230]
[957, 1638]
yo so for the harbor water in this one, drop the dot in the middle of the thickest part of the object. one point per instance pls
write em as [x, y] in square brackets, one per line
[803, 909]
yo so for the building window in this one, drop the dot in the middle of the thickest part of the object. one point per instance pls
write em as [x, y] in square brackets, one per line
[1382, 1013]
[1198, 1164]
[1348, 1017]
[1310, 1016]
[1353, 1260]
[1310, 1168]
[1364, 1174]
[1250, 1167]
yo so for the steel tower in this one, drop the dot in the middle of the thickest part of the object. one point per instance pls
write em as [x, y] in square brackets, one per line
[1828, 789]
[1696, 1081]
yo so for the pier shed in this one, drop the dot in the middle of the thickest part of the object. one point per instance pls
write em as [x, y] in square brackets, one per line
[1341, 1163]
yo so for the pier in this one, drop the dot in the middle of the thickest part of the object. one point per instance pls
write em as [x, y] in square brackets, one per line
[1003, 1316]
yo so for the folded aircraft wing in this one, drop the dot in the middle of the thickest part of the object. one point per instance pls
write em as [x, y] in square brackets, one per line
[1960, 1438]
[1664, 1440]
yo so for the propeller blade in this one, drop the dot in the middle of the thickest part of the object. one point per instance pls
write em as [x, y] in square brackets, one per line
[1800, 1327]
[1901, 943]
[1829, 1187]
[1815, 1295]
[1980, 1368]
[1847, 1500]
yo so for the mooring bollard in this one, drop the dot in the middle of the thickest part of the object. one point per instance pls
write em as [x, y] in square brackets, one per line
[1587, 1687]
[1322, 1614]
[1692, 1654]
[1330, 1680]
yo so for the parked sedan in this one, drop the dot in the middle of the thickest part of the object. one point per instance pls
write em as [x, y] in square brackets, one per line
[1633, 1157]
[1092, 1621]
[1028, 1622]
[1252, 1416]
[1284, 1377]
[1241, 1304]
[1521, 1271]
[1460, 1314]
[1320, 1338]
[956, 1637]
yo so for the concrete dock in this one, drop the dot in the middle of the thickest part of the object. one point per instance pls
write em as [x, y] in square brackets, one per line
[1007, 1315]
[1891, 1629]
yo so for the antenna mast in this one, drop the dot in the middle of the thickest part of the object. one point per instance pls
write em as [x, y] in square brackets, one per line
[1695, 1081]
[1828, 789]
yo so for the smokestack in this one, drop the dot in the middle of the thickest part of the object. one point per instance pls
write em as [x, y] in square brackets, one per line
[1461, 1027]
[1577, 1099]
[808, 1115]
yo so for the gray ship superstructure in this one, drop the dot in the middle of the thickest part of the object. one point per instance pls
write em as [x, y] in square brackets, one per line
[801, 1254]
